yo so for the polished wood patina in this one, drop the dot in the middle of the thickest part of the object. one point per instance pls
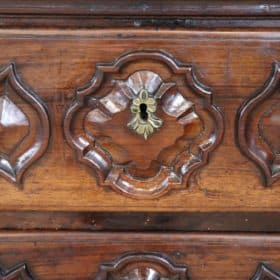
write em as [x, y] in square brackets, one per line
[139, 140]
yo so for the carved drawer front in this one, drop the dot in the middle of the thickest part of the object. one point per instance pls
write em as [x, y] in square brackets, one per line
[134, 256]
[144, 123]
[141, 121]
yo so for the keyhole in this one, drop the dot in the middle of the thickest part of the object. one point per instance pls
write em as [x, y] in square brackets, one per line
[143, 111]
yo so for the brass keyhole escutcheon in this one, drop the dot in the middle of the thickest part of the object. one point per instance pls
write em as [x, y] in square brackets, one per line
[144, 121]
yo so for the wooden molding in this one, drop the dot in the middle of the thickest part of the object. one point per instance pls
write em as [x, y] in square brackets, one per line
[264, 272]
[148, 8]
[28, 121]
[186, 107]
[152, 266]
[258, 144]
[18, 272]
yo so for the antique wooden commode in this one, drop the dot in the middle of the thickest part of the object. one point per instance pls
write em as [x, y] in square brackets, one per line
[140, 140]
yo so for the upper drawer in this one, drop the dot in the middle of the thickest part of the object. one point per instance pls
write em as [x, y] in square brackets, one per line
[140, 120]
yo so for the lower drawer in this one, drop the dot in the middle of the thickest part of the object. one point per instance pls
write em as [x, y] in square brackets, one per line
[133, 256]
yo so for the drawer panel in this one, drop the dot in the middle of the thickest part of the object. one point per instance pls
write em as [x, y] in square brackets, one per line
[76, 255]
[201, 151]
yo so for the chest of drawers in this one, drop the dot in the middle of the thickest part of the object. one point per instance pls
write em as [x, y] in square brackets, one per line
[139, 140]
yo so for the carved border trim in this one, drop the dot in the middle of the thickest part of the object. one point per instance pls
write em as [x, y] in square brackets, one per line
[264, 272]
[20, 271]
[16, 173]
[243, 118]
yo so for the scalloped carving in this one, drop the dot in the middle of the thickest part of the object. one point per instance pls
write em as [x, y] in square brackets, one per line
[19, 272]
[24, 126]
[144, 158]
[264, 272]
[258, 128]
[144, 266]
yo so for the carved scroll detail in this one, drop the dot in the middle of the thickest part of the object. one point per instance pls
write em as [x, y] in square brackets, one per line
[144, 266]
[258, 128]
[186, 128]
[19, 272]
[24, 126]
[264, 272]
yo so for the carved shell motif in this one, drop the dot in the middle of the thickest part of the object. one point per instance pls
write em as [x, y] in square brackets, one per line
[144, 128]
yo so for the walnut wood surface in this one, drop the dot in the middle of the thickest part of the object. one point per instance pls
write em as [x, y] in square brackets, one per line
[79, 255]
[60, 46]
[55, 62]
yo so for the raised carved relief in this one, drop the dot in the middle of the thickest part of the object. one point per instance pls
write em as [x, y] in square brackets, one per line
[142, 266]
[258, 128]
[264, 272]
[144, 124]
[19, 272]
[24, 126]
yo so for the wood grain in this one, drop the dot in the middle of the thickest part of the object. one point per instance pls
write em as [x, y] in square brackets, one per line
[75, 255]
[55, 62]
[142, 221]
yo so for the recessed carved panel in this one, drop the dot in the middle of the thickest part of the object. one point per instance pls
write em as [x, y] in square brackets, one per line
[144, 124]
[258, 128]
[142, 266]
[24, 126]
[265, 273]
[19, 272]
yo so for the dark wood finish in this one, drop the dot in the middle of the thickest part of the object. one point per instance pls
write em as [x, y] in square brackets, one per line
[76, 255]
[138, 7]
[135, 221]
[193, 22]
[138, 14]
